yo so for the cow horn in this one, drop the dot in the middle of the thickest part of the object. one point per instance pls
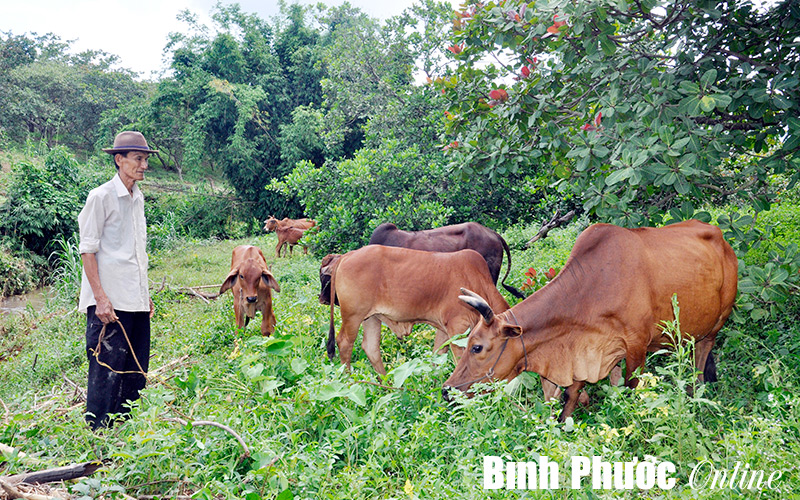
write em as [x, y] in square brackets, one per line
[479, 304]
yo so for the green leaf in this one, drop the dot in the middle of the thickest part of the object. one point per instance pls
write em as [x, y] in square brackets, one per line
[708, 103]
[618, 176]
[690, 106]
[708, 78]
[608, 45]
[781, 101]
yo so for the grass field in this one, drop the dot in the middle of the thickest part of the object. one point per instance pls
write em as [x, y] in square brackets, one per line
[299, 426]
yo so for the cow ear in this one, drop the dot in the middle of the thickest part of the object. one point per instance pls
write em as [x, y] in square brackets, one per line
[511, 331]
[270, 281]
[230, 280]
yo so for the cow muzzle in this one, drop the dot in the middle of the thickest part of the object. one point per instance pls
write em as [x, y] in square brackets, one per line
[252, 300]
[446, 393]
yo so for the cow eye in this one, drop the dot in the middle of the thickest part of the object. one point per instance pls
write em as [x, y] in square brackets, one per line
[476, 349]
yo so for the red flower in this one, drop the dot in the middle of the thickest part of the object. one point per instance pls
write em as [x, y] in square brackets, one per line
[556, 25]
[590, 127]
[531, 272]
[456, 49]
[551, 273]
[525, 71]
[498, 95]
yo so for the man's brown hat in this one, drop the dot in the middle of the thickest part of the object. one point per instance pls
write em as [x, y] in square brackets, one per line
[129, 141]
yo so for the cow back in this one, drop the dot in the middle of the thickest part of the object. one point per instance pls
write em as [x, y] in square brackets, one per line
[469, 235]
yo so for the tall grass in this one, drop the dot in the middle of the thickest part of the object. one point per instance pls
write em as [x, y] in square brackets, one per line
[66, 277]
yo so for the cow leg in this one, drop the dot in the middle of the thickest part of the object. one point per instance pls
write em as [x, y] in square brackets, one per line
[552, 391]
[278, 249]
[702, 351]
[441, 338]
[239, 314]
[571, 397]
[267, 322]
[371, 343]
[633, 360]
[549, 389]
[347, 338]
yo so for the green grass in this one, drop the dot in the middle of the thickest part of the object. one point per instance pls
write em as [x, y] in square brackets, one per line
[315, 431]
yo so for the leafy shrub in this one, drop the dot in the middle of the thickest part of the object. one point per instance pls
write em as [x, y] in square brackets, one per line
[43, 201]
[16, 274]
[350, 198]
[198, 214]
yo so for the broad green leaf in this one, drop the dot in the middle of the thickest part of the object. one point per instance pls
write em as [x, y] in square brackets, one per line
[707, 103]
[708, 78]
[618, 176]
[608, 45]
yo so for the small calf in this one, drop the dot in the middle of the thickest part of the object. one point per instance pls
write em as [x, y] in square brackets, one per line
[251, 283]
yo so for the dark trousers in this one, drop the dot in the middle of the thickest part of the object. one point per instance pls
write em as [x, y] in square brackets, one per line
[107, 391]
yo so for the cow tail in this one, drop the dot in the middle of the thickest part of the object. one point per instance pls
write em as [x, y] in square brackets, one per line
[331, 346]
[513, 291]
[710, 370]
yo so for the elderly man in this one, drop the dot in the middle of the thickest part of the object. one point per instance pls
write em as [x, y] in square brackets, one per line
[114, 288]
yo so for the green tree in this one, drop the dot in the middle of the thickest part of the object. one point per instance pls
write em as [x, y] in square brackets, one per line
[47, 93]
[646, 111]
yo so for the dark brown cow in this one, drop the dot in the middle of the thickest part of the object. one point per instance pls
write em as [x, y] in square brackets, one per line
[250, 282]
[451, 239]
[399, 287]
[607, 304]
[288, 236]
[271, 224]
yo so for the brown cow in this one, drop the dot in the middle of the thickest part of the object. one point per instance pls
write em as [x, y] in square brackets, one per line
[272, 223]
[398, 286]
[288, 236]
[250, 282]
[451, 239]
[606, 305]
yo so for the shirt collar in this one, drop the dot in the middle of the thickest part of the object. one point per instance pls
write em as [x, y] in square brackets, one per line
[121, 190]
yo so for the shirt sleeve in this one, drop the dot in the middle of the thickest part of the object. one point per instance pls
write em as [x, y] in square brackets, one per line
[90, 224]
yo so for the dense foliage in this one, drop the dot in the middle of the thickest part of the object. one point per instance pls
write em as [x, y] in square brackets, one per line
[648, 112]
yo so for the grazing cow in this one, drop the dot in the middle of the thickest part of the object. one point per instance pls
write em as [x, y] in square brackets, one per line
[451, 239]
[250, 282]
[272, 223]
[400, 287]
[289, 236]
[606, 305]
[327, 265]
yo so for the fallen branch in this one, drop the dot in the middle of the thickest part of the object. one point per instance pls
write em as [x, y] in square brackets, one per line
[553, 223]
[224, 427]
[55, 475]
[170, 364]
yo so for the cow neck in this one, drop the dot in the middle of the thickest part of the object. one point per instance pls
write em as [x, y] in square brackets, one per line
[547, 312]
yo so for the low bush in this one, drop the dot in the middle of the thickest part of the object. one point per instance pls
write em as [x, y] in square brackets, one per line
[16, 274]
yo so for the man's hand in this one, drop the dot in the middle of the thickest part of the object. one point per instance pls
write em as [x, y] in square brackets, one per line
[105, 311]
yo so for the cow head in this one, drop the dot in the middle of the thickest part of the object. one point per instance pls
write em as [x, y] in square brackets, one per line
[270, 224]
[493, 351]
[326, 268]
[245, 281]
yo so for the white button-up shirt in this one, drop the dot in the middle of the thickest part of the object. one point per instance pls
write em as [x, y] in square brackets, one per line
[113, 227]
